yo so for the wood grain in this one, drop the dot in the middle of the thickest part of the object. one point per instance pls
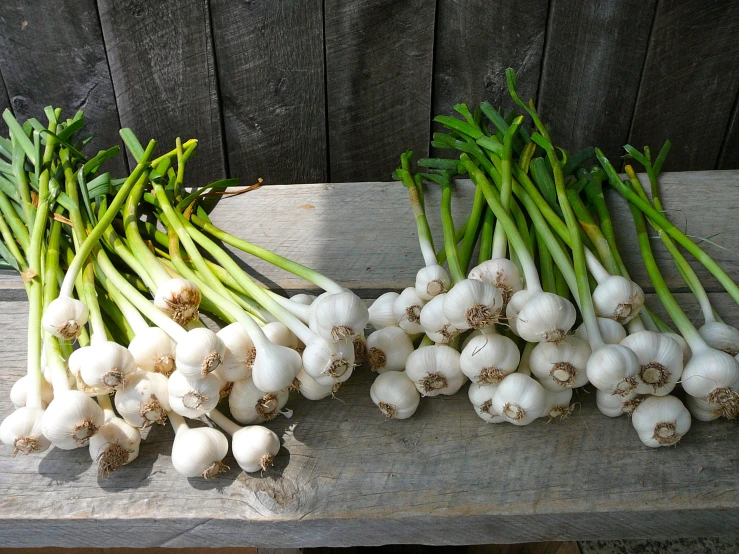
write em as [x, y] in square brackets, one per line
[161, 60]
[56, 56]
[590, 75]
[271, 81]
[692, 69]
[379, 62]
[4, 104]
[729, 157]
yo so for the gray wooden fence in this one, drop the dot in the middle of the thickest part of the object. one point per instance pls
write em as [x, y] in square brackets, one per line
[299, 91]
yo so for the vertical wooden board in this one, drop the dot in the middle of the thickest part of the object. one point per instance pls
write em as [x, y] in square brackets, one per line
[691, 78]
[54, 55]
[476, 42]
[161, 60]
[272, 89]
[592, 64]
[379, 61]
[4, 104]
[729, 156]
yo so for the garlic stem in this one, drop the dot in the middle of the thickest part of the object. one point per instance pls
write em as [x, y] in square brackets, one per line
[486, 236]
[447, 222]
[500, 241]
[223, 422]
[178, 422]
[130, 313]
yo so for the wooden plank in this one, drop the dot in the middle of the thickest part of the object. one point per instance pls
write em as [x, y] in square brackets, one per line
[66, 68]
[271, 83]
[474, 46]
[590, 76]
[379, 62]
[161, 60]
[4, 105]
[447, 478]
[690, 81]
[729, 157]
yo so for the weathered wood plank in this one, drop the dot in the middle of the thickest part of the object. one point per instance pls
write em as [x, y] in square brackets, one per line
[4, 104]
[690, 81]
[590, 75]
[271, 83]
[56, 56]
[729, 157]
[161, 60]
[379, 62]
[475, 43]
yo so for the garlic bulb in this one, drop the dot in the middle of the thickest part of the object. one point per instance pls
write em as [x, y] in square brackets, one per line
[312, 390]
[154, 350]
[561, 365]
[487, 358]
[193, 398]
[711, 374]
[613, 405]
[661, 420]
[71, 419]
[435, 370]
[239, 355]
[545, 317]
[515, 304]
[481, 397]
[557, 404]
[660, 362]
[64, 317]
[19, 393]
[339, 316]
[687, 353]
[519, 399]
[407, 311]
[114, 445]
[721, 337]
[107, 365]
[328, 362]
[305, 299]
[22, 430]
[248, 404]
[395, 395]
[472, 304]
[255, 448]
[278, 333]
[703, 410]
[611, 331]
[76, 360]
[199, 452]
[388, 349]
[502, 273]
[276, 366]
[613, 368]
[435, 323]
[381, 311]
[431, 281]
[200, 353]
[618, 298]
[144, 399]
[179, 299]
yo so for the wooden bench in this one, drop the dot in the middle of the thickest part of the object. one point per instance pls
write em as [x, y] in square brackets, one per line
[345, 476]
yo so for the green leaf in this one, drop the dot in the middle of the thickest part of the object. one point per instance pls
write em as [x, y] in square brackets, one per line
[69, 131]
[93, 164]
[461, 126]
[464, 111]
[491, 144]
[16, 131]
[132, 143]
[438, 163]
[638, 156]
[661, 157]
[222, 184]
[543, 180]
[8, 257]
[577, 159]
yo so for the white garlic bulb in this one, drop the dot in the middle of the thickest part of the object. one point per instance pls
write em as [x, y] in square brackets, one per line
[519, 399]
[558, 404]
[22, 430]
[502, 273]
[64, 317]
[248, 404]
[613, 368]
[312, 390]
[515, 304]
[721, 337]
[114, 445]
[687, 353]
[561, 365]
[488, 357]
[395, 395]
[275, 367]
[193, 398]
[703, 410]
[545, 317]
[339, 316]
[255, 448]
[278, 333]
[200, 353]
[431, 281]
[435, 370]
[107, 365]
[613, 405]
[472, 304]
[199, 452]
[711, 374]
[328, 362]
[611, 331]
[179, 299]
[481, 397]
[154, 350]
[71, 419]
[144, 399]
[19, 392]
[660, 362]
[618, 298]
[305, 299]
[661, 421]
[388, 349]
[239, 355]
[76, 360]
[435, 323]
[407, 311]
[381, 311]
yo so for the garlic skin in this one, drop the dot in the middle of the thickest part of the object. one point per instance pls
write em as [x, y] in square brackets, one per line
[107, 365]
[545, 317]
[199, 452]
[154, 350]
[687, 353]
[278, 333]
[395, 395]
[515, 304]
[64, 317]
[711, 374]
[77, 359]
[618, 298]
[193, 398]
[435, 370]
[502, 273]
[19, 393]
[255, 448]
[239, 355]
[388, 349]
[613, 368]
[381, 311]
[703, 410]
[613, 405]
[721, 337]
[519, 399]
[144, 399]
[179, 299]
[312, 390]
[481, 397]
[472, 304]
[339, 316]
[305, 299]
[561, 365]
[327, 362]
[431, 281]
[71, 419]
[435, 323]
[360, 348]
[660, 362]
[23, 431]
[487, 358]
[557, 404]
[200, 353]
[249, 405]
[407, 311]
[661, 421]
[114, 445]
[611, 331]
